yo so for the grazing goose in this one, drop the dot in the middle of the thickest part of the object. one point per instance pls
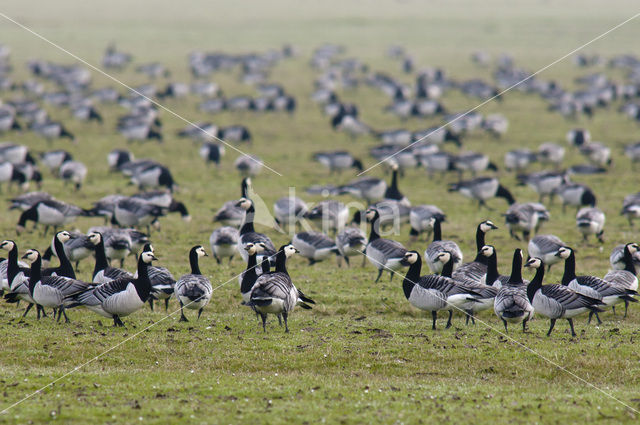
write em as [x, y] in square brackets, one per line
[289, 210]
[597, 153]
[590, 221]
[382, 253]
[576, 195]
[165, 200]
[119, 243]
[578, 137]
[591, 286]
[119, 297]
[420, 220]
[338, 161]
[432, 292]
[437, 246]
[248, 165]
[152, 176]
[556, 301]
[525, 218]
[519, 159]
[15, 154]
[54, 159]
[545, 183]
[551, 153]
[476, 270]
[193, 290]
[51, 291]
[18, 279]
[333, 215]
[74, 172]
[9, 173]
[625, 278]
[230, 214]
[224, 243]
[351, 241]
[51, 212]
[493, 277]
[248, 233]
[545, 247]
[250, 275]
[511, 304]
[118, 157]
[314, 246]
[440, 162]
[52, 130]
[130, 212]
[235, 133]
[482, 189]
[102, 272]
[370, 189]
[212, 152]
[392, 213]
[350, 125]
[631, 207]
[473, 162]
[392, 192]
[28, 200]
[275, 293]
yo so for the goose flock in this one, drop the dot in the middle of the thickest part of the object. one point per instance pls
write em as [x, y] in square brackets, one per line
[350, 211]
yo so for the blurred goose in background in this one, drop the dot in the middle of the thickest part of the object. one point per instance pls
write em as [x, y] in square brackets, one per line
[331, 214]
[314, 246]
[15, 154]
[165, 200]
[578, 137]
[51, 130]
[544, 182]
[631, 207]
[519, 159]
[617, 261]
[545, 247]
[248, 165]
[526, 218]
[248, 233]
[132, 212]
[118, 157]
[576, 195]
[51, 212]
[551, 153]
[54, 159]
[212, 152]
[473, 162]
[351, 241]
[590, 221]
[482, 189]
[74, 172]
[627, 277]
[338, 161]
[371, 189]
[27, 200]
[224, 243]
[420, 220]
[597, 153]
[289, 210]
[438, 246]
[230, 213]
[153, 176]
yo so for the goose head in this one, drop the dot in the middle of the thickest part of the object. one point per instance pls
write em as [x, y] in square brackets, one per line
[251, 248]
[148, 257]
[244, 203]
[371, 214]
[411, 257]
[31, 255]
[534, 263]
[95, 237]
[487, 225]
[564, 252]
[444, 257]
[63, 236]
[487, 250]
[631, 247]
[7, 245]
[289, 250]
[201, 252]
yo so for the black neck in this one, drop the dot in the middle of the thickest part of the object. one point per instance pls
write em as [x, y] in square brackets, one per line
[101, 258]
[536, 283]
[249, 277]
[245, 189]
[265, 265]
[412, 277]
[628, 261]
[247, 226]
[569, 269]
[36, 274]
[142, 283]
[30, 214]
[479, 238]
[193, 261]
[437, 231]
[65, 269]
[373, 234]
[516, 268]
[492, 269]
[447, 269]
[504, 193]
[12, 267]
[281, 262]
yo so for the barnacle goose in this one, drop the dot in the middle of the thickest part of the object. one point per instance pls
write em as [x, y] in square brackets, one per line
[51, 291]
[351, 241]
[118, 157]
[338, 161]
[212, 152]
[15, 154]
[289, 210]
[27, 200]
[154, 175]
[617, 261]
[591, 286]
[164, 199]
[476, 270]
[482, 189]
[493, 277]
[250, 275]
[526, 218]
[248, 233]
[67, 247]
[391, 212]
[440, 162]
[119, 297]
[350, 125]
[224, 243]
[544, 182]
[420, 220]
[382, 253]
[590, 221]
[631, 207]
[9, 173]
[52, 130]
[102, 272]
[74, 172]
[18, 279]
[473, 162]
[432, 292]
[556, 301]
[333, 215]
[625, 278]
[597, 153]
[314, 246]
[370, 189]
[193, 290]
[275, 293]
[54, 159]
[392, 192]
[545, 247]
[511, 303]
[551, 153]
[578, 137]
[235, 133]
[248, 165]
[131, 211]
[438, 245]
[51, 212]
[230, 214]
[575, 194]
[519, 159]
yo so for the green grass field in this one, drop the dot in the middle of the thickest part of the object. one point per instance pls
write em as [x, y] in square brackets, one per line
[363, 354]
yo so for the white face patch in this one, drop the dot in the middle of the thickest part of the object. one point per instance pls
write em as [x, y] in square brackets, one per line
[289, 250]
[94, 238]
[633, 248]
[412, 257]
[370, 214]
[147, 257]
[8, 245]
[444, 257]
[31, 255]
[201, 252]
[487, 251]
[564, 253]
[64, 236]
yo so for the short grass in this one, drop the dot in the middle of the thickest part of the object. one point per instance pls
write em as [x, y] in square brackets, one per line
[363, 354]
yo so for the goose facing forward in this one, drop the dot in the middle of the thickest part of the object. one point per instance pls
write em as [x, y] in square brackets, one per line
[438, 245]
[193, 290]
[382, 253]
[511, 304]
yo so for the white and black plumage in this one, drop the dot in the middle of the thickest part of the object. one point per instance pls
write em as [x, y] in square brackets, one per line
[590, 221]
[493, 277]
[526, 218]
[575, 194]
[248, 165]
[119, 243]
[625, 278]
[370, 189]
[440, 162]
[551, 153]
[617, 261]
[556, 301]
[420, 220]
[75, 249]
[350, 125]
[74, 172]
[511, 304]
[27, 200]
[473, 162]
[102, 272]
[519, 159]
[250, 275]
[193, 290]
[476, 271]
[275, 293]
[437, 246]
[52, 291]
[392, 192]
[235, 133]
[338, 161]
[631, 207]
[578, 137]
[591, 286]
[597, 153]
[383, 254]
[10, 174]
[544, 183]
[8, 119]
[162, 285]
[391, 212]
[248, 233]
[50, 212]
[212, 152]
[230, 214]
[632, 151]
[289, 210]
[545, 247]
[166, 201]
[432, 292]
[52, 130]
[118, 157]
[132, 212]
[139, 130]
[152, 176]
[54, 159]
[482, 189]
[314, 246]
[331, 214]
[18, 279]
[351, 241]
[119, 297]
[224, 243]
[14, 153]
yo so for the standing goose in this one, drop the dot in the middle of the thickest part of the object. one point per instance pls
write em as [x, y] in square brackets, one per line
[590, 221]
[556, 301]
[54, 159]
[289, 210]
[275, 293]
[551, 153]
[51, 291]
[133, 212]
[392, 191]
[193, 290]
[432, 292]
[224, 243]
[57, 246]
[420, 220]
[351, 241]
[511, 303]
[576, 195]
[314, 246]
[476, 270]
[230, 214]
[544, 183]
[370, 189]
[152, 176]
[50, 213]
[437, 246]
[250, 275]
[545, 248]
[76, 249]
[248, 233]
[625, 278]
[102, 272]
[212, 152]
[493, 278]
[482, 189]
[617, 261]
[166, 201]
[526, 218]
[382, 253]
[591, 286]
[18, 279]
[162, 285]
[119, 297]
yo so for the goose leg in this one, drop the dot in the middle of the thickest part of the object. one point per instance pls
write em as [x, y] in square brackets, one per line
[230, 259]
[552, 323]
[264, 322]
[279, 320]
[573, 332]
[379, 274]
[285, 315]
[199, 313]
[216, 257]
[117, 322]
[182, 316]
[613, 310]
[626, 307]
[166, 304]
[449, 320]
[505, 325]
[391, 275]
[28, 308]
[66, 319]
[346, 260]
[77, 266]
[59, 314]
[597, 317]
[151, 303]
[434, 315]
[524, 326]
